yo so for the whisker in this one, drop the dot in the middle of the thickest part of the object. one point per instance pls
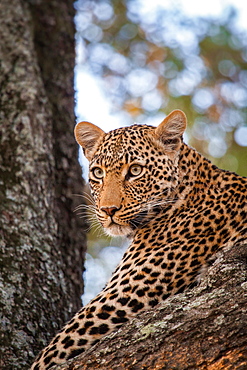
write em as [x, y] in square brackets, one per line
[86, 208]
[87, 196]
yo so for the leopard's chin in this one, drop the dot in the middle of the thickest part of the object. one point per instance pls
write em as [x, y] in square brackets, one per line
[118, 230]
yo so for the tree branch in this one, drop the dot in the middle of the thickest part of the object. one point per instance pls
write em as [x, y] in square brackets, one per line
[203, 328]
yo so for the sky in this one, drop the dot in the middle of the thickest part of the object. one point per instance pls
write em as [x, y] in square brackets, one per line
[86, 97]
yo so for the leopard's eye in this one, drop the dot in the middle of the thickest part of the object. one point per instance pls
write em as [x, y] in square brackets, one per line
[98, 172]
[135, 170]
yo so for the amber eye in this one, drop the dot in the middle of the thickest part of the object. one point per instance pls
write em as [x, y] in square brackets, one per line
[98, 172]
[135, 170]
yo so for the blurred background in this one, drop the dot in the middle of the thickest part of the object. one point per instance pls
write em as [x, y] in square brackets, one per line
[137, 60]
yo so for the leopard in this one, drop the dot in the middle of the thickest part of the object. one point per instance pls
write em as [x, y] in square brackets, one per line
[177, 208]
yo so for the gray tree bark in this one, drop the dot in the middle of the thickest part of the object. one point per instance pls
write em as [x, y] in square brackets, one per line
[42, 241]
[203, 328]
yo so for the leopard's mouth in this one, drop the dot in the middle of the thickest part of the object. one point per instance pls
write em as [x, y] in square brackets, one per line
[114, 226]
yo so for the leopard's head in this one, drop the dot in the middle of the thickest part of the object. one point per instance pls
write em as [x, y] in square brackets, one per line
[133, 170]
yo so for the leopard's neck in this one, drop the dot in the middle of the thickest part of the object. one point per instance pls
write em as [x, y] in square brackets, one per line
[199, 177]
[201, 185]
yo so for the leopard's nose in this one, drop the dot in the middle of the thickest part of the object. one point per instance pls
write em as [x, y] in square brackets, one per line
[110, 211]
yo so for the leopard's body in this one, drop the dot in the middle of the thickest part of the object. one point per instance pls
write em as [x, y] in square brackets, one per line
[178, 208]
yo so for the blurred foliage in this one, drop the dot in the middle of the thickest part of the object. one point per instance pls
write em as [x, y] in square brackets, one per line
[154, 61]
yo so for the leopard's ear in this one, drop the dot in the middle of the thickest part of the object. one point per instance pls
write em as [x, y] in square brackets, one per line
[171, 129]
[87, 135]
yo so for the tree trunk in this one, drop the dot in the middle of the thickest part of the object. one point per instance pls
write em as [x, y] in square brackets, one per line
[42, 241]
[203, 328]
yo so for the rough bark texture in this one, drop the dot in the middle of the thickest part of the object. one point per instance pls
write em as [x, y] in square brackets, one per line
[204, 328]
[41, 239]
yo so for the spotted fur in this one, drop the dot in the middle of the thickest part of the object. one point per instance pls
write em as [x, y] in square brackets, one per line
[178, 208]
